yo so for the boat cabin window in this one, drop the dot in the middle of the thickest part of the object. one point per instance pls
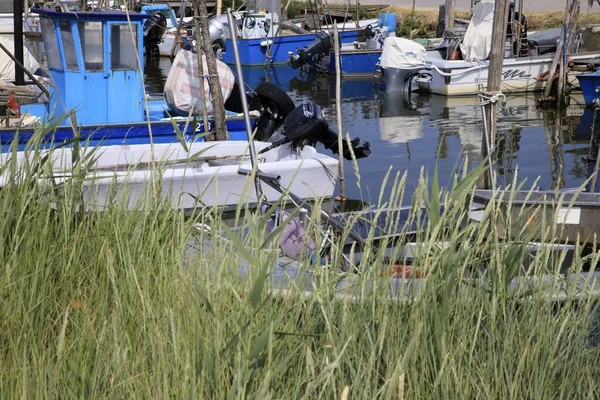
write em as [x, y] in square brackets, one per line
[92, 44]
[51, 44]
[68, 45]
[123, 47]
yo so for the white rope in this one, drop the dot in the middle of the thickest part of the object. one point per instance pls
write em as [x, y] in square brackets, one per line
[491, 98]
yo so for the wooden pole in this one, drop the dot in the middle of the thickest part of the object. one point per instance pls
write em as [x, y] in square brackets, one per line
[573, 28]
[494, 79]
[213, 73]
[449, 15]
[179, 23]
[559, 49]
[18, 34]
[200, 66]
[338, 109]
[219, 7]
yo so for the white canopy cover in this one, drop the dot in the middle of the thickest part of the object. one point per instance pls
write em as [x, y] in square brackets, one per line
[477, 42]
[402, 54]
[7, 66]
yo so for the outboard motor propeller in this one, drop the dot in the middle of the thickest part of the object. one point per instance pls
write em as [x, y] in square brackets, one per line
[154, 29]
[306, 124]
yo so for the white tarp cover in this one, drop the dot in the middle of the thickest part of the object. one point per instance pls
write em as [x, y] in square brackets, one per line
[182, 88]
[402, 54]
[7, 66]
[477, 42]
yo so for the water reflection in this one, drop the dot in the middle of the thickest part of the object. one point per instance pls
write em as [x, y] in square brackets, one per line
[408, 132]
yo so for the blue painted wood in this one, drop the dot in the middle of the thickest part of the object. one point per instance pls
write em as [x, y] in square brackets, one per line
[589, 83]
[95, 16]
[355, 62]
[109, 102]
[118, 134]
[125, 90]
[253, 54]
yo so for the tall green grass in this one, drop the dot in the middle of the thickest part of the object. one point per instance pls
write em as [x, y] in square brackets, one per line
[143, 304]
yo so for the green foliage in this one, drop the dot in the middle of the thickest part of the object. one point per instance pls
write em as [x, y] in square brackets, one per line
[144, 304]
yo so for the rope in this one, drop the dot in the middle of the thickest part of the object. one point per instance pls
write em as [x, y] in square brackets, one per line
[491, 98]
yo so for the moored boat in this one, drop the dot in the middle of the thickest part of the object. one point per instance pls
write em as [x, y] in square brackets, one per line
[589, 83]
[127, 140]
[569, 217]
[460, 64]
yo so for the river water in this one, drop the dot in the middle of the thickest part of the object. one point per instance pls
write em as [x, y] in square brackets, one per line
[411, 132]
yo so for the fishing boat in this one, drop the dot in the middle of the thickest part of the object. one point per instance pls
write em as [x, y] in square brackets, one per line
[357, 59]
[264, 38]
[96, 81]
[126, 138]
[461, 63]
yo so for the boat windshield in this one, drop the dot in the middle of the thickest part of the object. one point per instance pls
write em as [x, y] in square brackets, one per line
[92, 44]
[51, 44]
[123, 47]
[68, 45]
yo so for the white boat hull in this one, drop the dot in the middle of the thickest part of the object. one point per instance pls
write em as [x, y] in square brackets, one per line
[456, 78]
[123, 175]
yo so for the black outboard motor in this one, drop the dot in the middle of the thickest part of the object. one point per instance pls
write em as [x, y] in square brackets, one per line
[306, 125]
[154, 29]
[321, 45]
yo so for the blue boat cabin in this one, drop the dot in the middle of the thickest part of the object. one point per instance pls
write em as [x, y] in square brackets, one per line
[95, 60]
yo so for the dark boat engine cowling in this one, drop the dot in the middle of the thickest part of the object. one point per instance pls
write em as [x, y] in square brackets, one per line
[306, 125]
[154, 29]
[320, 46]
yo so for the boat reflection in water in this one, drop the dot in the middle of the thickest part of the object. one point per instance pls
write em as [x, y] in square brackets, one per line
[411, 131]
[401, 117]
[408, 117]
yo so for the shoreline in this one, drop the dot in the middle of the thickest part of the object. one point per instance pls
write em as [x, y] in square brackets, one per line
[463, 5]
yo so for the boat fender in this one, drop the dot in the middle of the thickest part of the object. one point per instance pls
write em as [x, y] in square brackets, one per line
[266, 43]
[293, 239]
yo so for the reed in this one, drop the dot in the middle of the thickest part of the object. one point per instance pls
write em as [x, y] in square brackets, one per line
[145, 304]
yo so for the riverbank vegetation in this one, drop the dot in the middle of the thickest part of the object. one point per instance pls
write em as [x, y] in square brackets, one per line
[145, 304]
[424, 21]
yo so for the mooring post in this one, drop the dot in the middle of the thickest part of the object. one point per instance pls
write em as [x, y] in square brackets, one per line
[200, 66]
[18, 31]
[494, 81]
[449, 14]
[338, 110]
[179, 23]
[559, 49]
[203, 37]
